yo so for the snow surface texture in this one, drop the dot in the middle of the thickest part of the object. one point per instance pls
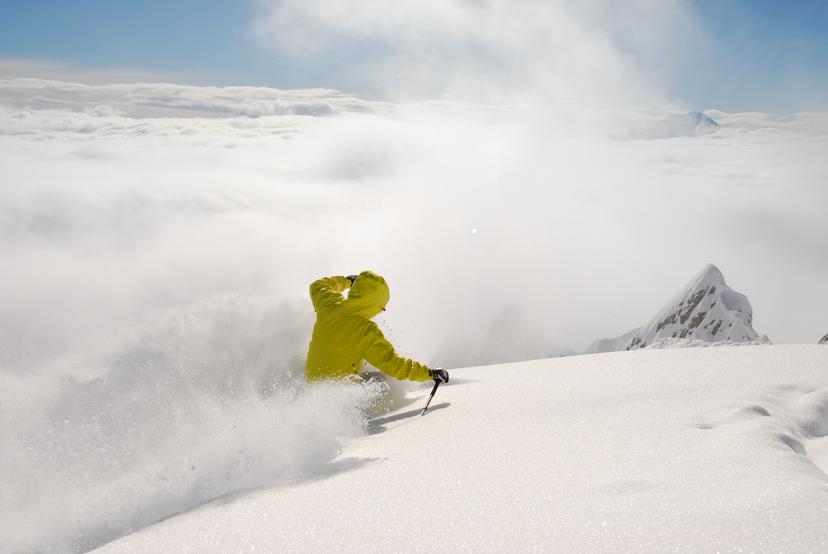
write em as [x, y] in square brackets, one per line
[694, 450]
[705, 310]
[698, 343]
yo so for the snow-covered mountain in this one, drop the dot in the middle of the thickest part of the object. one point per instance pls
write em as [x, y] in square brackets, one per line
[688, 124]
[696, 450]
[705, 310]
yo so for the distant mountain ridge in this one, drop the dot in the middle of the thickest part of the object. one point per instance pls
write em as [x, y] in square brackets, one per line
[688, 124]
[705, 310]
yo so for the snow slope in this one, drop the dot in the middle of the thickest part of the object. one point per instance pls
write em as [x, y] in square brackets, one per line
[705, 310]
[691, 450]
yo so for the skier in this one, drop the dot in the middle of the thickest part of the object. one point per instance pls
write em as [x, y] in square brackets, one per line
[344, 336]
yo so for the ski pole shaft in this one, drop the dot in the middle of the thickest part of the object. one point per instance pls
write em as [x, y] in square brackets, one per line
[436, 384]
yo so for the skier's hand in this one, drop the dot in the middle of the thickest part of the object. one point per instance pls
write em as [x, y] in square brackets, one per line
[351, 278]
[439, 375]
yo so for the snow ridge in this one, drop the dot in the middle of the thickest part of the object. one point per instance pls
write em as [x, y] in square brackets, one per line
[705, 310]
[795, 416]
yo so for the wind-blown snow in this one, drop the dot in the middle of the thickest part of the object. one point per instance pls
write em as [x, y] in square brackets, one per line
[693, 450]
[196, 406]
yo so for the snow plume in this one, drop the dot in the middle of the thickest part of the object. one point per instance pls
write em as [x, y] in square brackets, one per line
[154, 322]
[202, 403]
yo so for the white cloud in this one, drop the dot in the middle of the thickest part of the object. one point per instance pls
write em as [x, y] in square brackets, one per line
[144, 100]
[601, 54]
[143, 212]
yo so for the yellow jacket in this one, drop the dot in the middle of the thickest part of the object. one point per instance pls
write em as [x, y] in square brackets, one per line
[344, 336]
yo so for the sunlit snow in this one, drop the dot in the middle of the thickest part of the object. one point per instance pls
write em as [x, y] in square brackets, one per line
[158, 241]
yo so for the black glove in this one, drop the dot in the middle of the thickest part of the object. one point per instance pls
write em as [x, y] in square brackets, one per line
[439, 375]
[351, 278]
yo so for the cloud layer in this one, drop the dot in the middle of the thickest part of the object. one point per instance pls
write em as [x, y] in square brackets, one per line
[141, 209]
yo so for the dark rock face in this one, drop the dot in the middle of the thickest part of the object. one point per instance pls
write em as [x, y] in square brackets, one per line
[823, 340]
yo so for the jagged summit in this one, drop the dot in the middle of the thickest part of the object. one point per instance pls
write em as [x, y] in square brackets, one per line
[688, 124]
[705, 310]
[823, 340]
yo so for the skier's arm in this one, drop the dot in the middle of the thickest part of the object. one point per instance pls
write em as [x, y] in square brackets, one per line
[382, 356]
[328, 291]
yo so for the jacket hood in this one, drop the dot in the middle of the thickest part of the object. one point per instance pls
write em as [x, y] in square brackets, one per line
[368, 296]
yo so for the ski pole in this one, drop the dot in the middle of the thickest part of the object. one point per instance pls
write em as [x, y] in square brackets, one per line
[436, 384]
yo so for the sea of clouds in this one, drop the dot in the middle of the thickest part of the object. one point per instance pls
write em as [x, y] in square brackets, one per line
[158, 240]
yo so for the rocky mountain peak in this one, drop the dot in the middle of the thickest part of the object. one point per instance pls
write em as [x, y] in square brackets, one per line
[706, 309]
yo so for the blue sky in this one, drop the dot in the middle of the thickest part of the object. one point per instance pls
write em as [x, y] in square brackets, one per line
[207, 37]
[768, 55]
